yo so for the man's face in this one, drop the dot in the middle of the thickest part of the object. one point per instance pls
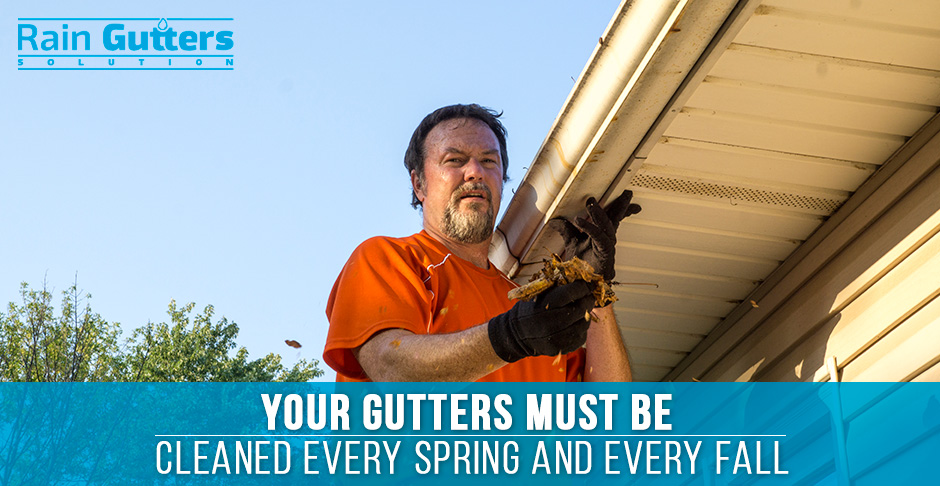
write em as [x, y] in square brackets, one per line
[463, 180]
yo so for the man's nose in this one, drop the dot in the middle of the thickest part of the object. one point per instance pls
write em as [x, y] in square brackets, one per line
[473, 170]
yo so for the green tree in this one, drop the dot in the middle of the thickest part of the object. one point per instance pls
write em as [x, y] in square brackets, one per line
[198, 349]
[36, 345]
[79, 345]
[40, 345]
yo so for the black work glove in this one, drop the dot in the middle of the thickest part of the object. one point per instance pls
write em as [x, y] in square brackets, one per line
[594, 239]
[553, 323]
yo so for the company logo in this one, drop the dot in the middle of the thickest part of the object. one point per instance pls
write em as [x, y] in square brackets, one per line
[168, 44]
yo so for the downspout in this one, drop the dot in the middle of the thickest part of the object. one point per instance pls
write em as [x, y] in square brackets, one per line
[626, 48]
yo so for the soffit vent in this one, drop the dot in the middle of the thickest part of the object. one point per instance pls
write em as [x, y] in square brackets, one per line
[736, 193]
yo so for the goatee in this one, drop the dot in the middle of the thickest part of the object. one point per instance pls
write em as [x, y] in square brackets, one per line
[473, 225]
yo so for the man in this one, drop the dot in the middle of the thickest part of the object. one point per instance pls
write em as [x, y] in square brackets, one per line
[431, 307]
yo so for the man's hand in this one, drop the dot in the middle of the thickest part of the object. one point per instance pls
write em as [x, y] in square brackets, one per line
[553, 323]
[594, 239]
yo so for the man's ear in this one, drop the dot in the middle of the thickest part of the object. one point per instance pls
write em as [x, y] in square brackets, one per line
[417, 186]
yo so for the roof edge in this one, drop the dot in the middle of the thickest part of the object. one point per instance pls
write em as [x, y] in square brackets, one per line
[633, 35]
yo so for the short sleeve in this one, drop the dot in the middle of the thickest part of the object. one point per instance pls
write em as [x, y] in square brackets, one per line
[382, 286]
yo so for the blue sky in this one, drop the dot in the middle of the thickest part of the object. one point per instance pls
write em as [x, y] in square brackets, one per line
[248, 189]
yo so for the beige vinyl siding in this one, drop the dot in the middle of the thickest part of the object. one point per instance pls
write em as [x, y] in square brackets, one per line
[866, 292]
[930, 374]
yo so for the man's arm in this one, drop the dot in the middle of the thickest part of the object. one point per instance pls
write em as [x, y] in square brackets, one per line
[400, 355]
[553, 323]
[606, 358]
[594, 239]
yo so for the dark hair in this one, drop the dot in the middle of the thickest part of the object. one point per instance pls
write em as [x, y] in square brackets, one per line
[415, 154]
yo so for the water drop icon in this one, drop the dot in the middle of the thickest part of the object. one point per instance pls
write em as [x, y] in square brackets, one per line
[162, 25]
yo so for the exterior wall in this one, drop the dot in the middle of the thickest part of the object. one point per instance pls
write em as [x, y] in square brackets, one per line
[863, 290]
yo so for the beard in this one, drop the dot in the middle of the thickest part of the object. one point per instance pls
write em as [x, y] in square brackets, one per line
[473, 225]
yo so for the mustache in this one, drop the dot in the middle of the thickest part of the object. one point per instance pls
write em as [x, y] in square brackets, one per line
[472, 187]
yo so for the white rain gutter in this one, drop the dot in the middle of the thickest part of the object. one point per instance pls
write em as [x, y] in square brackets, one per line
[619, 75]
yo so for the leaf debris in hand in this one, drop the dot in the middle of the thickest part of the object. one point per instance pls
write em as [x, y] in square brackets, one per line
[556, 272]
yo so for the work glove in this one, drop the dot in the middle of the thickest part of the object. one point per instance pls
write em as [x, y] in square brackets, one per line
[594, 239]
[553, 323]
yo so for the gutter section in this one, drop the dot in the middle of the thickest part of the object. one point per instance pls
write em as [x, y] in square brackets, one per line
[644, 56]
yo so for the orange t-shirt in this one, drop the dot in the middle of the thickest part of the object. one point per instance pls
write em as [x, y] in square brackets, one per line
[415, 283]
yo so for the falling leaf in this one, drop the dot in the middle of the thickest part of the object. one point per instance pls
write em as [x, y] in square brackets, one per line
[292, 343]
[561, 370]
[443, 311]
[490, 367]
[696, 380]
[396, 343]
[754, 304]
[557, 359]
